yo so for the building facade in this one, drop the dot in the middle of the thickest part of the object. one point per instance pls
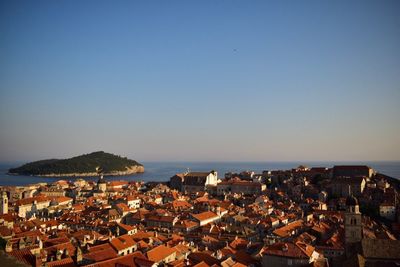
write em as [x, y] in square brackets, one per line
[192, 182]
[4, 203]
[352, 224]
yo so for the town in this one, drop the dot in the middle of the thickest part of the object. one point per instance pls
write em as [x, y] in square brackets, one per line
[306, 216]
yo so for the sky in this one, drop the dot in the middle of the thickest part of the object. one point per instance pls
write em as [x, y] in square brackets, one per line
[200, 80]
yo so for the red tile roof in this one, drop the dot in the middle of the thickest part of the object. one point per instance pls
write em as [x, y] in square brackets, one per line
[23, 255]
[122, 242]
[126, 261]
[101, 253]
[31, 200]
[290, 250]
[67, 262]
[286, 230]
[205, 216]
[61, 199]
[159, 253]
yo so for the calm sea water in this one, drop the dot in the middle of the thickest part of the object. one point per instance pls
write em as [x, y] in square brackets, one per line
[162, 171]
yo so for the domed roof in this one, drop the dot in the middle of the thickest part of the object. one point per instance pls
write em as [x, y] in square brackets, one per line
[351, 201]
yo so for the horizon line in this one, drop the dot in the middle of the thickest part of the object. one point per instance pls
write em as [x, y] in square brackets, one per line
[236, 161]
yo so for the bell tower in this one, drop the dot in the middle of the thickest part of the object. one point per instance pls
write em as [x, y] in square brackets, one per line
[4, 203]
[101, 183]
[352, 224]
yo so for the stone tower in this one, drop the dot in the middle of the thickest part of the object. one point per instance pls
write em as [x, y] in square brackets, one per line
[4, 203]
[352, 224]
[101, 183]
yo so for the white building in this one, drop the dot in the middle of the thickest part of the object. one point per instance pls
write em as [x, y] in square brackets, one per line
[4, 203]
[194, 181]
[29, 206]
[133, 202]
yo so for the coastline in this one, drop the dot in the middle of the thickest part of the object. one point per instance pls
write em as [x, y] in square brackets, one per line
[163, 171]
[130, 171]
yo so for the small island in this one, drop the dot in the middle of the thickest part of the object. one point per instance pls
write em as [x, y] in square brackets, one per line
[83, 165]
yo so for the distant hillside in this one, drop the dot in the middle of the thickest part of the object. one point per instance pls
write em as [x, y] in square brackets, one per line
[84, 165]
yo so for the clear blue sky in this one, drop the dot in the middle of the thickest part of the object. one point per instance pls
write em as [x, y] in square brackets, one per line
[200, 80]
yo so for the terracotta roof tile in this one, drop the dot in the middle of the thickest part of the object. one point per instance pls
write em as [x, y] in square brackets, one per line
[127, 260]
[122, 242]
[159, 253]
[205, 216]
[67, 262]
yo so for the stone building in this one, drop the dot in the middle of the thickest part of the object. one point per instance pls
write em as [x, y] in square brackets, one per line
[29, 206]
[344, 187]
[193, 181]
[240, 187]
[352, 224]
[352, 171]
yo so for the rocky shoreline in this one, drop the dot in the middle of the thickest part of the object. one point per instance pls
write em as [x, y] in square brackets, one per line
[129, 171]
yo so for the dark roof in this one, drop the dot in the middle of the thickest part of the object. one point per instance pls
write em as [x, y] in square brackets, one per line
[157, 218]
[23, 255]
[197, 257]
[352, 167]
[352, 180]
[380, 249]
[195, 180]
[197, 174]
[287, 250]
[7, 261]
[127, 260]
[351, 170]
[351, 201]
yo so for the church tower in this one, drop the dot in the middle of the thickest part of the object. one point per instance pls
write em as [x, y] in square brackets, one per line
[4, 203]
[352, 224]
[101, 183]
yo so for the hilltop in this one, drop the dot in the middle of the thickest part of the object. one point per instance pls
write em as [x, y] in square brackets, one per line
[83, 165]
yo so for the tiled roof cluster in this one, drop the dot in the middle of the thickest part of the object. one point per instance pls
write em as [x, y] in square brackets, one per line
[203, 228]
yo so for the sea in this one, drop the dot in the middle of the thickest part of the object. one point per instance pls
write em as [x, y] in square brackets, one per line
[162, 171]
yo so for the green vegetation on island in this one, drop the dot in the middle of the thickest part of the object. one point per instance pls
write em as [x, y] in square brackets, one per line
[81, 165]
